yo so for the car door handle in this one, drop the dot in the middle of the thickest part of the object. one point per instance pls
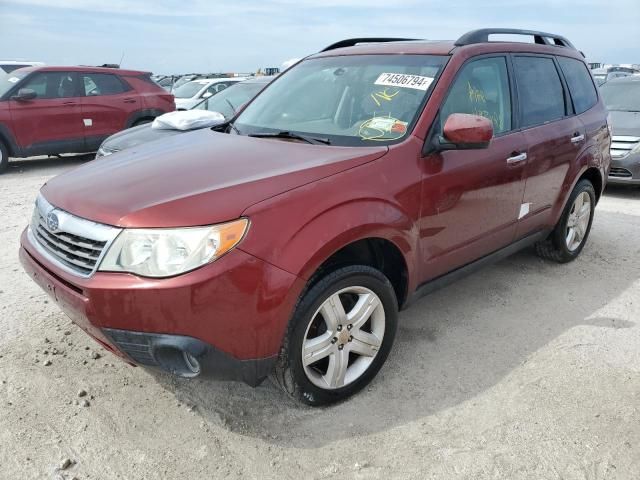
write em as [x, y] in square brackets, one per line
[129, 100]
[577, 138]
[68, 103]
[521, 157]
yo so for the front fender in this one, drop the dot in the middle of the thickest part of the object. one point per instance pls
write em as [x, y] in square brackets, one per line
[308, 236]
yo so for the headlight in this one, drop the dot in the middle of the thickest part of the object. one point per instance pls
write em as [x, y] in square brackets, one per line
[160, 252]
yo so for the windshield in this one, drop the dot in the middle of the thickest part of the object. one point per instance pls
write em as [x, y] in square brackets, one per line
[624, 97]
[9, 80]
[350, 100]
[188, 90]
[230, 101]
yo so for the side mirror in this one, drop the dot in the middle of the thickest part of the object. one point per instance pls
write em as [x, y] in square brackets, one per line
[465, 132]
[25, 94]
[207, 94]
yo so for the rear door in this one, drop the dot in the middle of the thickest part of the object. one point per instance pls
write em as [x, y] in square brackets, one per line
[471, 198]
[52, 122]
[584, 98]
[553, 135]
[107, 104]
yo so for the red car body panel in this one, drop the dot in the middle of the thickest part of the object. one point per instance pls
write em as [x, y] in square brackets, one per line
[306, 202]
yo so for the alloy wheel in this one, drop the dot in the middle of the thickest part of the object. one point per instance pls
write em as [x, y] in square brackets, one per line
[343, 337]
[578, 221]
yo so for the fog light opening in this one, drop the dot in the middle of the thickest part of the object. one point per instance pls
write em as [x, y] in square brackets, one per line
[177, 361]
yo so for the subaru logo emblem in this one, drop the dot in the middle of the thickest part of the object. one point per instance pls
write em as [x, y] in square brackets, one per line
[52, 222]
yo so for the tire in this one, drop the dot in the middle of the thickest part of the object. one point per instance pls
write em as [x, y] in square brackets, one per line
[559, 246]
[350, 286]
[4, 157]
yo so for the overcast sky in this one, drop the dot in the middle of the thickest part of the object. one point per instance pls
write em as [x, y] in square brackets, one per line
[167, 36]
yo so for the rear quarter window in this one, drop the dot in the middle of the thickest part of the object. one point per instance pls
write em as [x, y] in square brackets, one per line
[581, 87]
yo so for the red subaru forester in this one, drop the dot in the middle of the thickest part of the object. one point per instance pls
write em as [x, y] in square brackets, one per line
[52, 110]
[285, 241]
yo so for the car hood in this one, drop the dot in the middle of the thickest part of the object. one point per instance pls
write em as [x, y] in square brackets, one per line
[625, 123]
[198, 178]
[132, 137]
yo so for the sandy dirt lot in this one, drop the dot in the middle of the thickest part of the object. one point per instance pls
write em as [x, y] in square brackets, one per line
[526, 369]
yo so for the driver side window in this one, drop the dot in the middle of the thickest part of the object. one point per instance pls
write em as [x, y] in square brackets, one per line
[481, 88]
[52, 85]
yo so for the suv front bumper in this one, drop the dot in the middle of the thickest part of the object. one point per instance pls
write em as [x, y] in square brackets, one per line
[230, 315]
[625, 171]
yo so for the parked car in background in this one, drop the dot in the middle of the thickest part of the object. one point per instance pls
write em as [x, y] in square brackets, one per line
[192, 93]
[8, 66]
[228, 103]
[603, 75]
[167, 82]
[53, 110]
[285, 241]
[622, 98]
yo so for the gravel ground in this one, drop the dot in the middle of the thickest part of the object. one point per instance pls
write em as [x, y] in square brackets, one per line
[525, 369]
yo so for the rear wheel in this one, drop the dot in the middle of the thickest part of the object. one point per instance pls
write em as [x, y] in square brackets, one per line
[570, 234]
[4, 157]
[339, 337]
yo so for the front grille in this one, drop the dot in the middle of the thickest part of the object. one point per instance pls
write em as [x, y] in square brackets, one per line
[620, 172]
[135, 345]
[75, 244]
[78, 253]
[621, 145]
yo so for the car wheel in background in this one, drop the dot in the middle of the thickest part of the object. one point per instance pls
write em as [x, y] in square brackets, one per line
[4, 157]
[339, 337]
[570, 234]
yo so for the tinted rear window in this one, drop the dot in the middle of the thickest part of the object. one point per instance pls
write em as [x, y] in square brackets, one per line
[581, 88]
[539, 89]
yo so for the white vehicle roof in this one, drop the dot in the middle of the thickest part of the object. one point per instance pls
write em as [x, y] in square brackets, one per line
[206, 81]
[21, 62]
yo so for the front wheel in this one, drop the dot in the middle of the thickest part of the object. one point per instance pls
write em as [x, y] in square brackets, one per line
[340, 336]
[570, 234]
[4, 157]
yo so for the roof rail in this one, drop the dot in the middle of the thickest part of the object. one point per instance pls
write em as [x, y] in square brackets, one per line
[350, 42]
[542, 38]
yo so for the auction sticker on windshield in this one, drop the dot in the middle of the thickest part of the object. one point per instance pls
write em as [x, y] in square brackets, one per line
[417, 82]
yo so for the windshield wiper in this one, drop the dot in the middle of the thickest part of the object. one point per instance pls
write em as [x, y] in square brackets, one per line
[293, 136]
[231, 105]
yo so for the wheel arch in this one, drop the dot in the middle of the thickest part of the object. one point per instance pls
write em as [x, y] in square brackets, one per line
[376, 252]
[9, 141]
[138, 115]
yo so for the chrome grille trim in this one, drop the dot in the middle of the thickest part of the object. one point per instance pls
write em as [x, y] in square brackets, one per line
[621, 145]
[77, 246]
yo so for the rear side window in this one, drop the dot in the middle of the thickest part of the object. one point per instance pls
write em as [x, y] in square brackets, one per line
[482, 88]
[539, 90]
[581, 87]
[96, 84]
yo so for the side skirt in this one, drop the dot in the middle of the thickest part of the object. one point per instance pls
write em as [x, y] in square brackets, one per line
[461, 272]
